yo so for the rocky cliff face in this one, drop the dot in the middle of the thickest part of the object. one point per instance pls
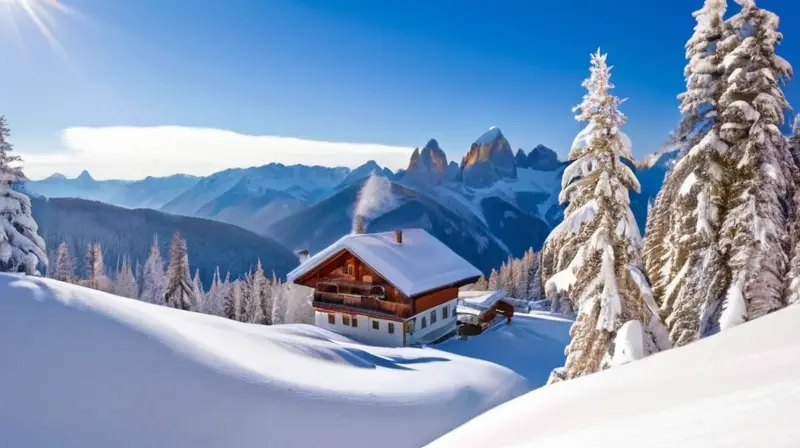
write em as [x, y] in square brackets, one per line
[489, 159]
[429, 166]
[542, 158]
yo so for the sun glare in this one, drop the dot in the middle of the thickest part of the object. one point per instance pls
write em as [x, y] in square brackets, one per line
[39, 12]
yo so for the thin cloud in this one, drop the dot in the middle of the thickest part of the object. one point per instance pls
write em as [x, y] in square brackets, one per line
[125, 152]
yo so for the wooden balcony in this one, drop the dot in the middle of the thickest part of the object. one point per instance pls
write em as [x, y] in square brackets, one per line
[337, 295]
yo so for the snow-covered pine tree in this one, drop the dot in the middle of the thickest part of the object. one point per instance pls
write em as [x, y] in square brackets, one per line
[21, 247]
[179, 292]
[519, 279]
[64, 269]
[280, 303]
[481, 285]
[535, 288]
[95, 269]
[262, 297]
[153, 278]
[215, 299]
[682, 258]
[125, 282]
[792, 284]
[198, 293]
[600, 245]
[494, 280]
[506, 278]
[236, 300]
[754, 238]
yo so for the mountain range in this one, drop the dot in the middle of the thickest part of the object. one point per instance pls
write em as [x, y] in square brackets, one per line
[494, 203]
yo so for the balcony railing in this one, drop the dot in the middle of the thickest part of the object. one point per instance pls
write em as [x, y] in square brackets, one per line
[365, 302]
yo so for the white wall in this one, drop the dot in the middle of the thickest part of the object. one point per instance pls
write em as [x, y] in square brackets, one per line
[364, 331]
[422, 335]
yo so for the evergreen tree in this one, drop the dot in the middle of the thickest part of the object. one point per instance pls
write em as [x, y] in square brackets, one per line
[200, 304]
[259, 300]
[95, 269]
[280, 304]
[482, 284]
[535, 289]
[64, 269]
[236, 300]
[21, 247]
[125, 282]
[215, 299]
[599, 242]
[153, 279]
[754, 236]
[792, 289]
[494, 280]
[682, 256]
[179, 289]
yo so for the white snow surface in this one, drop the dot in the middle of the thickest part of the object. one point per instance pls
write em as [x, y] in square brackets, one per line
[739, 388]
[421, 263]
[83, 368]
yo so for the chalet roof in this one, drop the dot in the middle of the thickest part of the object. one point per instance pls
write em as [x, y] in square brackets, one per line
[420, 264]
[480, 300]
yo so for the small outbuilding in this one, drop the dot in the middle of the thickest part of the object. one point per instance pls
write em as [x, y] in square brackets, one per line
[478, 310]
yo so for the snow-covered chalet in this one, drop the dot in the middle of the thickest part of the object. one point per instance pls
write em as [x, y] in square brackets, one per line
[396, 288]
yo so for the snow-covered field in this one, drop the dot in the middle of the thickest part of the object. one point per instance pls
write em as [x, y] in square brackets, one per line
[740, 388]
[80, 368]
[532, 345]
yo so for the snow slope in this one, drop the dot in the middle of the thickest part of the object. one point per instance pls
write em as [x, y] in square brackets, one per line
[739, 388]
[532, 345]
[83, 368]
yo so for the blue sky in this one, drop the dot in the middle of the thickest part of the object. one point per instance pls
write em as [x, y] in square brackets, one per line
[394, 73]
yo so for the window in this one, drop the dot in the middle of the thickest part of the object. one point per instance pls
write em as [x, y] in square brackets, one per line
[376, 325]
[332, 319]
[391, 327]
[346, 320]
[433, 317]
[444, 313]
[355, 322]
[423, 324]
[348, 269]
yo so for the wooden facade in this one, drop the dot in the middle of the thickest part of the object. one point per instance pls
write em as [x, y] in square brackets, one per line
[345, 284]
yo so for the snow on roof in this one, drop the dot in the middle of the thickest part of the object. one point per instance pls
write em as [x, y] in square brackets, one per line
[480, 300]
[492, 134]
[735, 389]
[418, 265]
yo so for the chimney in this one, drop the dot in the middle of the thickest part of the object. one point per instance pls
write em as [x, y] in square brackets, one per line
[398, 235]
[303, 255]
[359, 227]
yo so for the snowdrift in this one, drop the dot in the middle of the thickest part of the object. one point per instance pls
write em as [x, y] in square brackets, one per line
[740, 388]
[83, 368]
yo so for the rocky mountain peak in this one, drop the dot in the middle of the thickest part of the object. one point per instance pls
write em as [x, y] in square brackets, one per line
[542, 158]
[521, 159]
[429, 166]
[85, 177]
[489, 159]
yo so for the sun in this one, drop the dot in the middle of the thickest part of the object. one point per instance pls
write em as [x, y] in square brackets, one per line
[39, 12]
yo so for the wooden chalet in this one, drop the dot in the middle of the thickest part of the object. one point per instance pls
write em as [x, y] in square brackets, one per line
[394, 288]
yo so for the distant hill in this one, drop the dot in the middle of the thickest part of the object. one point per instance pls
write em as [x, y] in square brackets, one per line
[130, 231]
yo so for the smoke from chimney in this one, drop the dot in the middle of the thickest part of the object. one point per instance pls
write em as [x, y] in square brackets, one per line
[374, 199]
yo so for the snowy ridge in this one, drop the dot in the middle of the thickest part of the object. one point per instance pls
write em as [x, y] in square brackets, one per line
[95, 370]
[489, 136]
[735, 389]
